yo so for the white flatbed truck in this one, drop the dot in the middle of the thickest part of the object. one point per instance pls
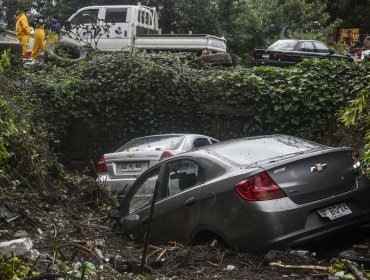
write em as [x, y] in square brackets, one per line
[135, 27]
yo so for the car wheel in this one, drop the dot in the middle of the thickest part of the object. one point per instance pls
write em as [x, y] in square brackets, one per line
[211, 239]
[61, 51]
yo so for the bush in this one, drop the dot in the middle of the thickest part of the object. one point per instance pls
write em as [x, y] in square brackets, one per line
[116, 97]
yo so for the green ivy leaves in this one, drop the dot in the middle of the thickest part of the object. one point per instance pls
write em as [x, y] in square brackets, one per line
[121, 96]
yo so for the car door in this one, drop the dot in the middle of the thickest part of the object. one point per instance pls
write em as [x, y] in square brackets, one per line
[118, 35]
[322, 50]
[136, 205]
[307, 50]
[82, 26]
[178, 212]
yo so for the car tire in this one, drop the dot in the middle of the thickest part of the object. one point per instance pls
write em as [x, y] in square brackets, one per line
[61, 51]
[14, 47]
[222, 59]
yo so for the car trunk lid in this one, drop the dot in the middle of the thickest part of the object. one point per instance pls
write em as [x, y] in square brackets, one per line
[309, 177]
[130, 164]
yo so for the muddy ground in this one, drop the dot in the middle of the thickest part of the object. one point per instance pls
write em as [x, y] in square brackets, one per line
[69, 228]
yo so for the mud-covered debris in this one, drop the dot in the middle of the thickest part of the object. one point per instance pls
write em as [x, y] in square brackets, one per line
[21, 234]
[7, 213]
[17, 247]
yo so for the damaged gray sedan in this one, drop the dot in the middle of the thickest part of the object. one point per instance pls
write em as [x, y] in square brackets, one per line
[252, 194]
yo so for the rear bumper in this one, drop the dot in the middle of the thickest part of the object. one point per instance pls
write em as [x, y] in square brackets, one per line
[269, 62]
[282, 223]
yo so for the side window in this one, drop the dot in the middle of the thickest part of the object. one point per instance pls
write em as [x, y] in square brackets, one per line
[147, 18]
[144, 192]
[142, 20]
[181, 175]
[86, 17]
[199, 142]
[307, 47]
[116, 15]
[321, 48]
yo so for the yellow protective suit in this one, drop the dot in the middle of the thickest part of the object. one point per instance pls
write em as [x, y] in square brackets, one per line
[39, 41]
[23, 31]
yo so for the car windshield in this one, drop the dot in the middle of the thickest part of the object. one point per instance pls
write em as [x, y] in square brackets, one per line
[253, 150]
[153, 143]
[283, 45]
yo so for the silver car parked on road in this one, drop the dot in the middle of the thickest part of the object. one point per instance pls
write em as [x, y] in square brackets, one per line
[120, 169]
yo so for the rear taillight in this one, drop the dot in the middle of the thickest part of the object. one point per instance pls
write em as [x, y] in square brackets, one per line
[279, 55]
[259, 187]
[166, 154]
[356, 164]
[101, 167]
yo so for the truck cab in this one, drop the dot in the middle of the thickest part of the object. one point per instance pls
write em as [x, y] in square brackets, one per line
[112, 28]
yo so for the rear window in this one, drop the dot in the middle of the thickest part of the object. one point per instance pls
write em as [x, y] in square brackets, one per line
[249, 151]
[153, 143]
[116, 15]
[283, 45]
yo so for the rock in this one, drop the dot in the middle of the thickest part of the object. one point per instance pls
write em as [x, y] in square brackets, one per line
[4, 232]
[19, 247]
[99, 253]
[33, 254]
[230, 267]
[21, 234]
[76, 265]
[100, 243]
[270, 256]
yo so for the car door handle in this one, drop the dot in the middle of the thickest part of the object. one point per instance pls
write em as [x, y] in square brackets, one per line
[190, 202]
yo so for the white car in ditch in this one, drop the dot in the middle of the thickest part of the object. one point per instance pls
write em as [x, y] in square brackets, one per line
[120, 169]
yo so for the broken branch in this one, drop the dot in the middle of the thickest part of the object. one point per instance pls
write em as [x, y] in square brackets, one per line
[354, 269]
[313, 267]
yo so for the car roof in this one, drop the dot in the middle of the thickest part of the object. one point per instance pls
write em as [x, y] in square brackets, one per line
[175, 134]
[299, 40]
[207, 149]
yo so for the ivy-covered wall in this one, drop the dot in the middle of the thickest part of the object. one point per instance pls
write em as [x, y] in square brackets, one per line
[96, 106]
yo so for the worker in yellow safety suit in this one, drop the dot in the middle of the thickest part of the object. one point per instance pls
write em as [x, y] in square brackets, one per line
[22, 29]
[39, 38]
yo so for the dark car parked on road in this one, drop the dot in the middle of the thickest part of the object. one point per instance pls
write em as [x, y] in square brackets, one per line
[290, 51]
[251, 193]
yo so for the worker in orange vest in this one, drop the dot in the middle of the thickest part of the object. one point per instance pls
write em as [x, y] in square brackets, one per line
[22, 29]
[39, 37]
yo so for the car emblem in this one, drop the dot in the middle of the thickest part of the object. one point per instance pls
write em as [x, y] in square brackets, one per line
[319, 167]
[131, 154]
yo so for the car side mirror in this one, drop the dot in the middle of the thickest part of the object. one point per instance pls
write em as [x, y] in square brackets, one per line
[114, 213]
[331, 51]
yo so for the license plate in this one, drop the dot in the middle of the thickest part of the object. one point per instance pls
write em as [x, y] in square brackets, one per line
[265, 56]
[335, 211]
[130, 166]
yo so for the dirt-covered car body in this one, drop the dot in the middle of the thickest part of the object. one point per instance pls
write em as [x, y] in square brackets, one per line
[252, 193]
[120, 169]
[290, 51]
